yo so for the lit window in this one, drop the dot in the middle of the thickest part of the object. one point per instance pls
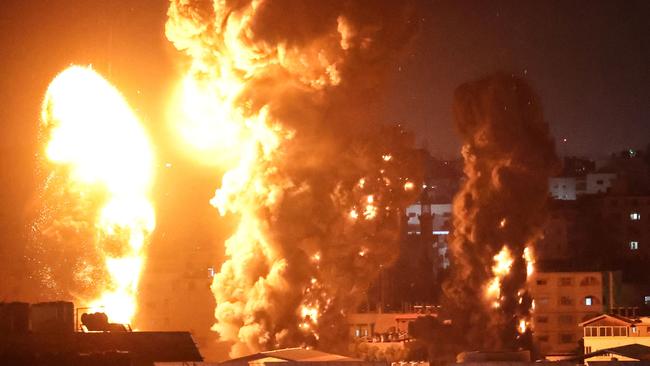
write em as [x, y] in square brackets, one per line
[634, 216]
[646, 300]
[634, 245]
[589, 300]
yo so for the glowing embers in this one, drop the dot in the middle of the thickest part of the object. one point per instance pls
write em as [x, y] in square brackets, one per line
[97, 144]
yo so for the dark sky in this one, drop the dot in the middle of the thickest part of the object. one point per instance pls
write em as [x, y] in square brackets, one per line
[587, 59]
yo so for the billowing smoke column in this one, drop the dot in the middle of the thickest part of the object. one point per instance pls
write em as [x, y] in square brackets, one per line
[500, 211]
[282, 96]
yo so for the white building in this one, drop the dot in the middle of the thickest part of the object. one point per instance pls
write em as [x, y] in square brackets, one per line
[610, 331]
[569, 188]
[599, 182]
[563, 188]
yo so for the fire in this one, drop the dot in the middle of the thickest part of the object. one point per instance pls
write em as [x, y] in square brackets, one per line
[100, 145]
[370, 211]
[530, 260]
[261, 109]
[502, 263]
[523, 325]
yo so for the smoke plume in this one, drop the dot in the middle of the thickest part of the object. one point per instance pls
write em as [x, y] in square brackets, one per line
[290, 92]
[500, 210]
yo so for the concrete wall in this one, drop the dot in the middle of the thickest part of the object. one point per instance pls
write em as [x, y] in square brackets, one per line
[560, 305]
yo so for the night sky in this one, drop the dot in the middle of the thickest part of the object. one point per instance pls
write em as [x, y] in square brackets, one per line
[587, 59]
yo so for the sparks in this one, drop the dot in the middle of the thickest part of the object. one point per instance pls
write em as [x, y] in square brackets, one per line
[97, 138]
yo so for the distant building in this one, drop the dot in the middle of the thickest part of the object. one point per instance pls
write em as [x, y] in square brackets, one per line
[562, 300]
[439, 222]
[605, 332]
[599, 182]
[563, 188]
[570, 188]
[628, 218]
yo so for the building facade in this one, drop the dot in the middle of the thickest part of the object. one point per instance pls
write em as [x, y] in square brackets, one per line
[564, 299]
[610, 331]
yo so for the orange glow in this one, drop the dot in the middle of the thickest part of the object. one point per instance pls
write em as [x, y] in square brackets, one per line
[100, 142]
[530, 261]
[502, 263]
[523, 325]
[408, 186]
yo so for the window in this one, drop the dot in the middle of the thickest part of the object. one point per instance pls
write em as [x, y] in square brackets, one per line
[542, 338]
[634, 245]
[564, 300]
[566, 281]
[541, 282]
[541, 301]
[589, 300]
[646, 300]
[587, 350]
[566, 338]
[600, 182]
[566, 319]
[635, 216]
[589, 281]
[541, 319]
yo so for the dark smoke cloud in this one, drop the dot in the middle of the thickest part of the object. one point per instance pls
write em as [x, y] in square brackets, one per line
[333, 113]
[509, 155]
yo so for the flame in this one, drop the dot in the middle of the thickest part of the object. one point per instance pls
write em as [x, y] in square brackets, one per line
[100, 143]
[530, 260]
[408, 186]
[502, 263]
[523, 325]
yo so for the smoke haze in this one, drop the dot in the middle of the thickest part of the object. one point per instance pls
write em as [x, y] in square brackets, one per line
[317, 184]
[509, 155]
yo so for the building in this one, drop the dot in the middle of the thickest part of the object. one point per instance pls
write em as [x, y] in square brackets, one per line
[563, 188]
[386, 326]
[438, 218]
[298, 356]
[627, 218]
[562, 300]
[44, 333]
[614, 356]
[607, 332]
[571, 187]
